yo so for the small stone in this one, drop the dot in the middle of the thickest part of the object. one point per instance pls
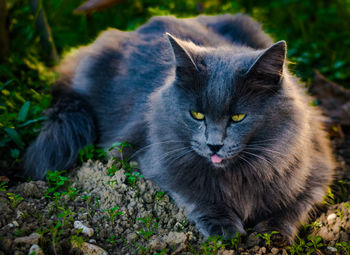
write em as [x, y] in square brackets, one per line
[6, 243]
[157, 244]
[15, 223]
[274, 251]
[263, 250]
[331, 218]
[85, 230]
[332, 249]
[31, 239]
[227, 252]
[91, 249]
[175, 238]
[31, 190]
[35, 250]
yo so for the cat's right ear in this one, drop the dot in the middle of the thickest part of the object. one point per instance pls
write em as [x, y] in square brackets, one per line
[184, 61]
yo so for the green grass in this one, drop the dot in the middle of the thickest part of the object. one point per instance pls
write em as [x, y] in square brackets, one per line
[317, 33]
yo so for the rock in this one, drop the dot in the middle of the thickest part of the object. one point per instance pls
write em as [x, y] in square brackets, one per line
[6, 243]
[90, 249]
[263, 250]
[35, 250]
[85, 230]
[175, 238]
[5, 208]
[30, 190]
[332, 249]
[274, 251]
[227, 252]
[31, 239]
[157, 244]
[331, 218]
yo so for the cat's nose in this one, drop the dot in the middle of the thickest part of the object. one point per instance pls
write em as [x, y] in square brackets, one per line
[214, 147]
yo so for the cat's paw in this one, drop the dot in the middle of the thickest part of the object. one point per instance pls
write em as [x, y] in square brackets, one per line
[280, 235]
[222, 227]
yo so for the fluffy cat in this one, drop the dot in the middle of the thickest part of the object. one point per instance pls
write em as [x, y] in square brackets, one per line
[213, 113]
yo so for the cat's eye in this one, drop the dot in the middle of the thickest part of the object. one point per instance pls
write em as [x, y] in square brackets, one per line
[238, 117]
[197, 115]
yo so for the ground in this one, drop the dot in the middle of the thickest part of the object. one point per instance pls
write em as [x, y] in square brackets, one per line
[108, 207]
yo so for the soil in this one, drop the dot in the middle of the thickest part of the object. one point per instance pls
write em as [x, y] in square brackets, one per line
[95, 213]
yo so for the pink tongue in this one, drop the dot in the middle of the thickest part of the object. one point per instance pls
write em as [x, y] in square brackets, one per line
[215, 159]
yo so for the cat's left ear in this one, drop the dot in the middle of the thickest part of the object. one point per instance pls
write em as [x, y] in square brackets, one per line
[184, 61]
[268, 67]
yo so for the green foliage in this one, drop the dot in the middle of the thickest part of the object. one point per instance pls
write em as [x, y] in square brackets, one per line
[150, 226]
[56, 181]
[3, 186]
[345, 247]
[317, 33]
[133, 177]
[14, 199]
[76, 241]
[113, 239]
[267, 237]
[113, 213]
[311, 245]
[213, 245]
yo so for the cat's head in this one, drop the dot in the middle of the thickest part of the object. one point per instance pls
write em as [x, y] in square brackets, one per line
[223, 99]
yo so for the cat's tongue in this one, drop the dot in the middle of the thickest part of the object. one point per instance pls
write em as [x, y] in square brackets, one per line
[215, 159]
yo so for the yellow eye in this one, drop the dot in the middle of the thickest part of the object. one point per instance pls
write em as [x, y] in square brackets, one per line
[238, 117]
[197, 115]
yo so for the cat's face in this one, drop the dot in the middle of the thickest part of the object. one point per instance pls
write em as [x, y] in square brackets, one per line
[223, 99]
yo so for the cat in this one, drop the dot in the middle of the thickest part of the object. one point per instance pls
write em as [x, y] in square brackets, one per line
[213, 114]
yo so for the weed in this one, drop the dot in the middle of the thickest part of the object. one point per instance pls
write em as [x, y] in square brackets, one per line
[72, 193]
[162, 252]
[20, 232]
[15, 199]
[150, 226]
[76, 241]
[113, 239]
[3, 186]
[55, 180]
[314, 244]
[345, 246]
[133, 177]
[267, 237]
[91, 152]
[213, 245]
[298, 247]
[113, 213]
[159, 195]
[236, 240]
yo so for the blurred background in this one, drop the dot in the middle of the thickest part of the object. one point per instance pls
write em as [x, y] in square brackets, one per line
[317, 33]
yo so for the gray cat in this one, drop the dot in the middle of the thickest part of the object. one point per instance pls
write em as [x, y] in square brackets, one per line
[214, 116]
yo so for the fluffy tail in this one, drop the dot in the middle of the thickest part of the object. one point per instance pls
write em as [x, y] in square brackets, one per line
[70, 126]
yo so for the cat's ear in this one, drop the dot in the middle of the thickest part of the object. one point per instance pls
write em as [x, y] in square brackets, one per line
[267, 70]
[184, 61]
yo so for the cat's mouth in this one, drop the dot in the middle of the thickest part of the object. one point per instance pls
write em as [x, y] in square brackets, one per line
[216, 159]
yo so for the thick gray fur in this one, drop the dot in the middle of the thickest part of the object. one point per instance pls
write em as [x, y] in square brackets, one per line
[140, 87]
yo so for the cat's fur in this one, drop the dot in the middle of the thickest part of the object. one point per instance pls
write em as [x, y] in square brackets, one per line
[140, 87]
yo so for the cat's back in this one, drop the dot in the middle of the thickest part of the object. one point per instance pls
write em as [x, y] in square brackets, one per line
[115, 54]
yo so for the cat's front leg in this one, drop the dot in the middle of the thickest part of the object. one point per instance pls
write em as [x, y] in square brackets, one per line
[216, 220]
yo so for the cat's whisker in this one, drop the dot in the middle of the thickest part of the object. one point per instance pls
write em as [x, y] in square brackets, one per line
[153, 144]
[180, 156]
[164, 155]
[257, 156]
[264, 149]
[247, 161]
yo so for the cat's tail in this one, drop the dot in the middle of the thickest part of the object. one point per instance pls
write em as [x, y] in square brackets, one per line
[70, 126]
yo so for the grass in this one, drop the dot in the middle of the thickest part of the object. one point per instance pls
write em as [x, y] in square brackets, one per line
[317, 33]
